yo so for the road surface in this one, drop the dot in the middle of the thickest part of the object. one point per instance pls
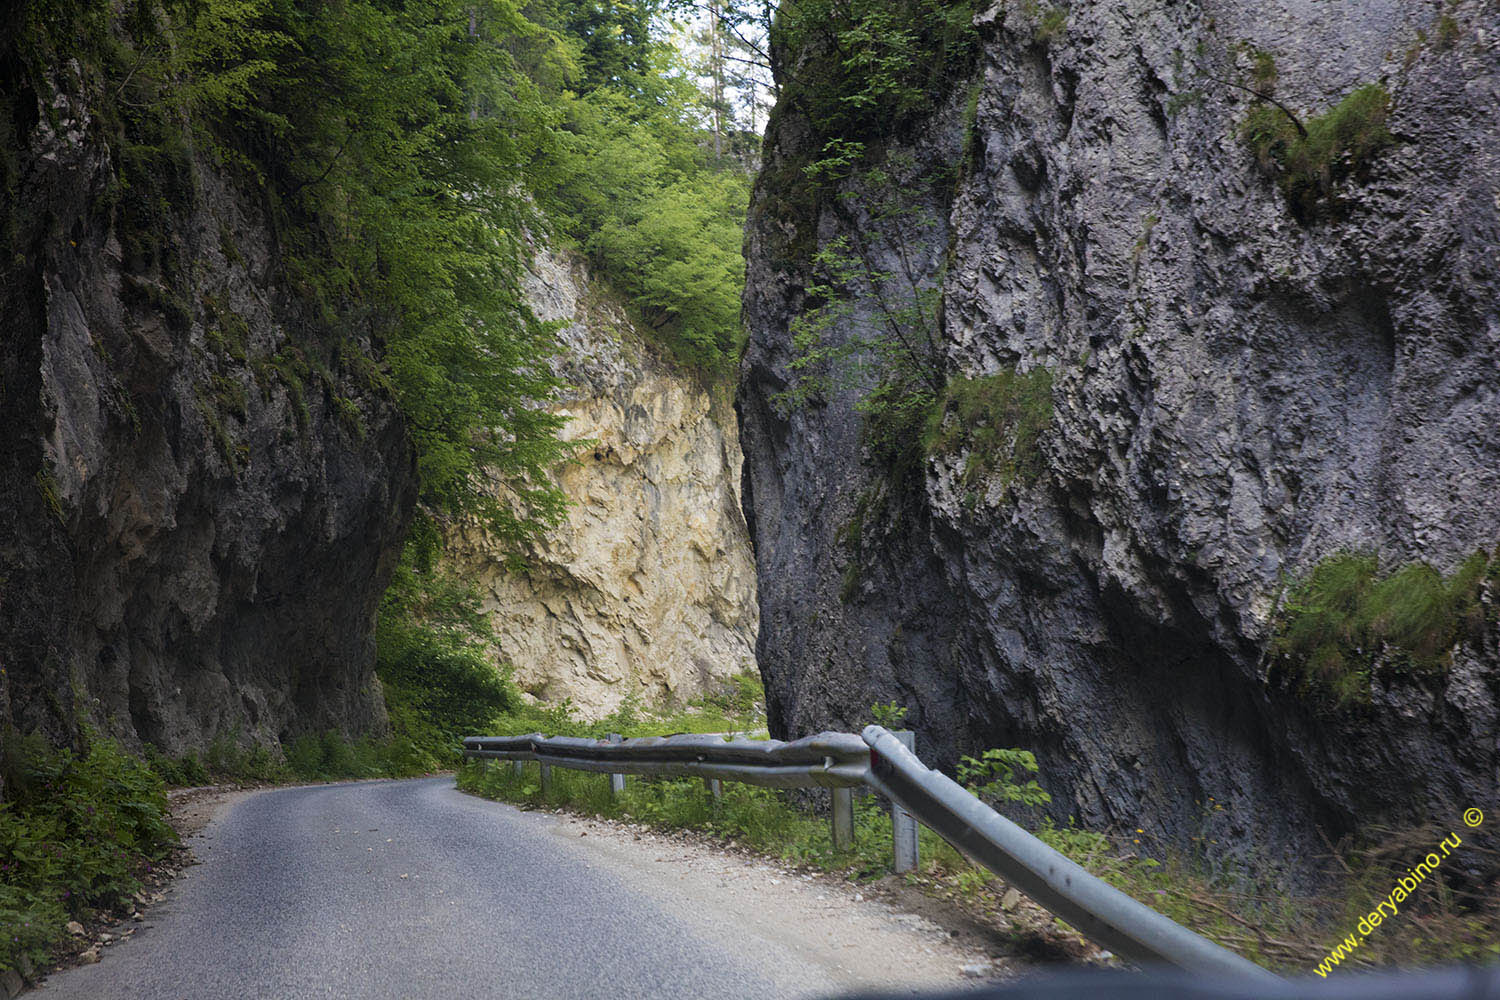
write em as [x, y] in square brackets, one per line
[411, 889]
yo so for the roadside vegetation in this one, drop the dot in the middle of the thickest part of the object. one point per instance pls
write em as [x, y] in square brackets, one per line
[80, 829]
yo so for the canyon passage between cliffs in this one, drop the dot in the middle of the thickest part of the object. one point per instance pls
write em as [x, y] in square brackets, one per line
[1107, 393]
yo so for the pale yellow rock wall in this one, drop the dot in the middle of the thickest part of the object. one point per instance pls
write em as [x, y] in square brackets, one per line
[649, 585]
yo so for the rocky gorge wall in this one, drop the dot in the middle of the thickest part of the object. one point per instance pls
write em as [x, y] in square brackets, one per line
[1236, 393]
[647, 589]
[201, 496]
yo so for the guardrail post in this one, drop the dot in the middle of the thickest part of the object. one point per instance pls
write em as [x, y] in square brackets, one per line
[518, 767]
[616, 781]
[903, 823]
[843, 818]
[546, 778]
[715, 788]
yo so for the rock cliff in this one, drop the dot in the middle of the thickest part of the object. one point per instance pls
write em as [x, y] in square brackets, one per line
[201, 495]
[1239, 388]
[648, 587]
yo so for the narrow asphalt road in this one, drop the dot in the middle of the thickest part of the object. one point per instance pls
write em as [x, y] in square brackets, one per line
[411, 889]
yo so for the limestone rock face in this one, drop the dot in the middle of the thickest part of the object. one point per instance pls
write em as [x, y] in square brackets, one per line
[200, 503]
[648, 587]
[1236, 394]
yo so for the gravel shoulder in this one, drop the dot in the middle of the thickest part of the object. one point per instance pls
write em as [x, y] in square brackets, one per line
[752, 905]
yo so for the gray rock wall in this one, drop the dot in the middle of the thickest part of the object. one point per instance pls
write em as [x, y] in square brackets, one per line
[200, 499]
[1237, 394]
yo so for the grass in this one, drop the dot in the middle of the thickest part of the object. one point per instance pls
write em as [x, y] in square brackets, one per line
[1263, 72]
[1452, 917]
[419, 747]
[227, 333]
[46, 485]
[760, 819]
[1051, 23]
[1346, 622]
[738, 706]
[999, 420]
[329, 756]
[1309, 162]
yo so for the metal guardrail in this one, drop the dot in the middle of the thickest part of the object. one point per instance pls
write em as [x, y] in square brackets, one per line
[880, 760]
[828, 760]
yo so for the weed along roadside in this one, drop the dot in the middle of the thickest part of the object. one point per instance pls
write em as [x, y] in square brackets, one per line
[1389, 907]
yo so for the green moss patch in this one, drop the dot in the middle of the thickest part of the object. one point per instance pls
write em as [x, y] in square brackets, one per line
[999, 420]
[1347, 616]
[1309, 159]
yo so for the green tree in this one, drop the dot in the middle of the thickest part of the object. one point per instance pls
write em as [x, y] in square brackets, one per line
[616, 43]
[634, 184]
[397, 196]
[996, 774]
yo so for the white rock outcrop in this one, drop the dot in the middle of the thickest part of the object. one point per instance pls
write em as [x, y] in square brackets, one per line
[648, 585]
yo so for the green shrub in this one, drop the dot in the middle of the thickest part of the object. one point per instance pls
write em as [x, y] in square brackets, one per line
[859, 75]
[180, 772]
[1345, 617]
[226, 760]
[658, 218]
[738, 705]
[1335, 145]
[866, 67]
[994, 775]
[439, 681]
[999, 419]
[76, 835]
[333, 757]
[338, 757]
[304, 757]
